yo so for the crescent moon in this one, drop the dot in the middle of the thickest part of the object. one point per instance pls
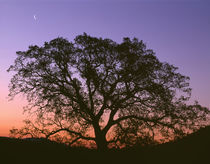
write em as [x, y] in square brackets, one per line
[35, 18]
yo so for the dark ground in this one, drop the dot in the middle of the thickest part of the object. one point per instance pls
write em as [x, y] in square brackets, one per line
[194, 148]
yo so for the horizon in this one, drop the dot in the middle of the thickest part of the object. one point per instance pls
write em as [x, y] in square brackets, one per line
[178, 32]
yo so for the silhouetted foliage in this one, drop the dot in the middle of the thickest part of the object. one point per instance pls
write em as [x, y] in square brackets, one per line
[98, 90]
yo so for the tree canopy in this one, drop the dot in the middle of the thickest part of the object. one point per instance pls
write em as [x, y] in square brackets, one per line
[98, 90]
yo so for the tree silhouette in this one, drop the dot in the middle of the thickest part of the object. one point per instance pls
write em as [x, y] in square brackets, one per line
[98, 90]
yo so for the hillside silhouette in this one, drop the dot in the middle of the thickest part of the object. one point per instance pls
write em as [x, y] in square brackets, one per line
[33, 150]
[193, 148]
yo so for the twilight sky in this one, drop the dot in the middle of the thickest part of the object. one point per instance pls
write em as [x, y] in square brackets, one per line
[177, 30]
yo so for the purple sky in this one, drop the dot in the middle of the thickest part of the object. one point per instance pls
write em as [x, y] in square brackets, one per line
[178, 31]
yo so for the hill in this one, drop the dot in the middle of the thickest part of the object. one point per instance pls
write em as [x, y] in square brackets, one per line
[194, 148]
[30, 150]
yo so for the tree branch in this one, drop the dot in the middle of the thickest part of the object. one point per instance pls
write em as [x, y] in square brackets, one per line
[71, 132]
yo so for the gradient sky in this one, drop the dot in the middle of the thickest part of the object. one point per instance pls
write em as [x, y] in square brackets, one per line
[177, 30]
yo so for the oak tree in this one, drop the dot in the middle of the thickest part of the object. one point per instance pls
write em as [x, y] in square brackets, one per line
[98, 90]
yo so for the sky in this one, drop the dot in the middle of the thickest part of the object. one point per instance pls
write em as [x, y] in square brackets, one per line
[177, 30]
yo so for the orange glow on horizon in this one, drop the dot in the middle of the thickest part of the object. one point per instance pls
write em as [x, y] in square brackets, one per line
[11, 112]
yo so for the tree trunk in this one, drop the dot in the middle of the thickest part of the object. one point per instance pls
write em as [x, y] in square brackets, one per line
[101, 141]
